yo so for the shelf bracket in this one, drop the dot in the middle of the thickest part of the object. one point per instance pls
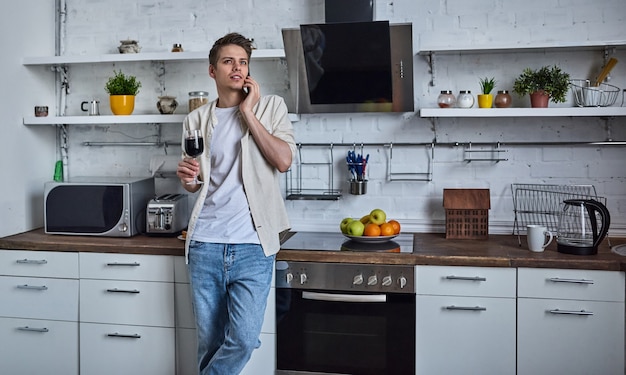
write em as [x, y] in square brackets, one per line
[433, 69]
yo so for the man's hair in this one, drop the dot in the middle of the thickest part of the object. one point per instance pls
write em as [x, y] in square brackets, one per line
[231, 38]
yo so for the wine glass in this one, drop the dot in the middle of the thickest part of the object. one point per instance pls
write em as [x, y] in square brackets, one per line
[194, 146]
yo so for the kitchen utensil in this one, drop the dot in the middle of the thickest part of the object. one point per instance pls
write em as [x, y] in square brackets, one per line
[538, 237]
[606, 70]
[586, 95]
[94, 107]
[583, 224]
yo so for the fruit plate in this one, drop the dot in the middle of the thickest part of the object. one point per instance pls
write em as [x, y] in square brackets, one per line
[371, 239]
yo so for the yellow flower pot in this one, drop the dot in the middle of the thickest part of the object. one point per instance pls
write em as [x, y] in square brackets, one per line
[122, 104]
[485, 100]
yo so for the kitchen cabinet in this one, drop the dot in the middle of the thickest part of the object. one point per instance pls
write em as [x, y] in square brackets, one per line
[570, 322]
[126, 314]
[263, 360]
[39, 312]
[465, 320]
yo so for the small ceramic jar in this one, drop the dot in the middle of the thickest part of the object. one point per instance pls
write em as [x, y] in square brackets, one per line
[177, 47]
[167, 104]
[503, 99]
[465, 99]
[446, 99]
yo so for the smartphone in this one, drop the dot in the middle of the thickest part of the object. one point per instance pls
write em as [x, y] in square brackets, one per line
[245, 89]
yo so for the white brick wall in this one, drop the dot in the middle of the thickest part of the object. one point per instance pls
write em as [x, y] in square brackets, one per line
[96, 27]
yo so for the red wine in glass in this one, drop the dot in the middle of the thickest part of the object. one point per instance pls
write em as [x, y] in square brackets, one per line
[194, 147]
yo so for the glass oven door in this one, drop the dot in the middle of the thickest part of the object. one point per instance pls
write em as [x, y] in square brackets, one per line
[352, 333]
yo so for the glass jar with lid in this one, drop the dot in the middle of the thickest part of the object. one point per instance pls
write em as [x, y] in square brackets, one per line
[465, 99]
[197, 99]
[503, 99]
[446, 99]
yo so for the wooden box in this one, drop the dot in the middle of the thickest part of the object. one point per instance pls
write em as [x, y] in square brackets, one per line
[467, 213]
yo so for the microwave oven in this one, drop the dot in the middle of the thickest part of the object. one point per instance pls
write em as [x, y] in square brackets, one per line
[97, 206]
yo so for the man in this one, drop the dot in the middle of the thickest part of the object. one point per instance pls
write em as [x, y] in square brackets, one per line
[234, 228]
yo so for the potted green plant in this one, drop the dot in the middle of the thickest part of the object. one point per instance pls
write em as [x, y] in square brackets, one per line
[122, 90]
[485, 99]
[548, 83]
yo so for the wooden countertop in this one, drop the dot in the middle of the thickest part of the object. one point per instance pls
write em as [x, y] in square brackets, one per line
[429, 248]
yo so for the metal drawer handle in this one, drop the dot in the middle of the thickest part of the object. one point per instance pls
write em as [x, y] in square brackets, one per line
[133, 336]
[27, 328]
[574, 281]
[570, 312]
[468, 278]
[32, 287]
[115, 290]
[114, 264]
[344, 297]
[467, 308]
[31, 261]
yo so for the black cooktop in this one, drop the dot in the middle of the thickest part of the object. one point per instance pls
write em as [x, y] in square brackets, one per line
[327, 241]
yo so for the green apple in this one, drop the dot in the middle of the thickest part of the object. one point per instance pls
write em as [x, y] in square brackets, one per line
[344, 224]
[378, 216]
[356, 228]
[365, 219]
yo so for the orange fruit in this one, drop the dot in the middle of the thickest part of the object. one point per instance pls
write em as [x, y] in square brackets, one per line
[386, 229]
[372, 230]
[396, 226]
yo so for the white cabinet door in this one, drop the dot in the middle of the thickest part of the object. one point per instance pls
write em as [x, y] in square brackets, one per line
[570, 337]
[263, 360]
[39, 298]
[32, 347]
[126, 350]
[127, 302]
[465, 335]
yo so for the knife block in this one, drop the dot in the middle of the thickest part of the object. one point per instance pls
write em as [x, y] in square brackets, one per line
[467, 213]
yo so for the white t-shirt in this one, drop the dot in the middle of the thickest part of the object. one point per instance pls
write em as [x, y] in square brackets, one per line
[225, 216]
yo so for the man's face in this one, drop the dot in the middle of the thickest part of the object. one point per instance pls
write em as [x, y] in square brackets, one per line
[231, 68]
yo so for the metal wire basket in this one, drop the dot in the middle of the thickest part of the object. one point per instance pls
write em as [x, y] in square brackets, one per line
[542, 204]
[587, 95]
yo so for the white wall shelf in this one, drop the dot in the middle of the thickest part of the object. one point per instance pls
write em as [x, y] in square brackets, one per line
[525, 112]
[426, 50]
[257, 54]
[112, 119]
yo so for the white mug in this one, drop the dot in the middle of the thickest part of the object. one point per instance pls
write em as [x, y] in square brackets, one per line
[538, 237]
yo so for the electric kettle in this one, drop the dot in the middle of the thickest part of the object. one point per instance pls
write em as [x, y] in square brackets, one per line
[583, 224]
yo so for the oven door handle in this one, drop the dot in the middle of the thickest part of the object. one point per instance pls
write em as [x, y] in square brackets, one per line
[344, 297]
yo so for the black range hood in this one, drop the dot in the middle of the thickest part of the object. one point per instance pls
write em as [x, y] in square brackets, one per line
[350, 66]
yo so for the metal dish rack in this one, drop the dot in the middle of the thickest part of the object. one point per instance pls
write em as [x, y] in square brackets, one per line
[587, 95]
[542, 204]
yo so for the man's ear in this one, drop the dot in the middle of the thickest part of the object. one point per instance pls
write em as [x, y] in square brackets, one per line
[211, 71]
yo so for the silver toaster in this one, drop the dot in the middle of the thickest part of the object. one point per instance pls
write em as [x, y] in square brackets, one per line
[167, 214]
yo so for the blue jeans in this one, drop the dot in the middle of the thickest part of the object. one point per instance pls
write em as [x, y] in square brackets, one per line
[229, 284]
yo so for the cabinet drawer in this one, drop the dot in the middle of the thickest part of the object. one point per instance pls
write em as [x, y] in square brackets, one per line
[465, 281]
[38, 346]
[127, 302]
[111, 349]
[478, 332]
[39, 298]
[39, 263]
[557, 342]
[126, 267]
[571, 284]
[181, 275]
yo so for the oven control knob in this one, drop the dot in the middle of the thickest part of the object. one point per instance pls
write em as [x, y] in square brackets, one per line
[302, 278]
[372, 280]
[402, 281]
[387, 280]
[289, 277]
[358, 280]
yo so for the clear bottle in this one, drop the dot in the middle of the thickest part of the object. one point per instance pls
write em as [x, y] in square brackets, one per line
[446, 99]
[465, 99]
[197, 99]
[503, 99]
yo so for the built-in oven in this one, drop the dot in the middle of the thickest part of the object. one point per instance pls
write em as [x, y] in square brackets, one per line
[345, 318]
